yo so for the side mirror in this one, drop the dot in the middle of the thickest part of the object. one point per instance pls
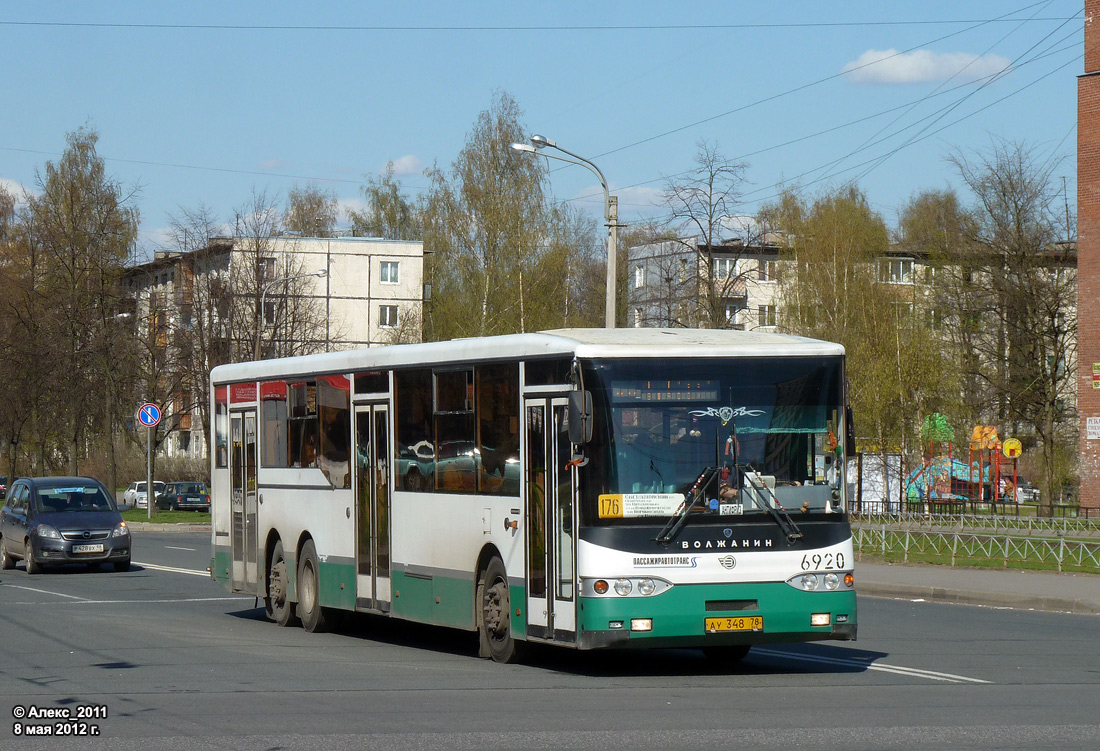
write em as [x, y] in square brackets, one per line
[580, 417]
[850, 438]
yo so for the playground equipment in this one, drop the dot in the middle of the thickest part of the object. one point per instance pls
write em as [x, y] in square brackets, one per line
[942, 479]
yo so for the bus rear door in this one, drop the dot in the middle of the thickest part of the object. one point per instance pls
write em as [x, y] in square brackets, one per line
[242, 468]
[372, 507]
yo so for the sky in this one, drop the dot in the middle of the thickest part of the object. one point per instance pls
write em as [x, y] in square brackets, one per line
[203, 102]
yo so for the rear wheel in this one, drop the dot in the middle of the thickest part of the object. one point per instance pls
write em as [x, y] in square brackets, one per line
[6, 561]
[309, 586]
[494, 615]
[277, 603]
[33, 567]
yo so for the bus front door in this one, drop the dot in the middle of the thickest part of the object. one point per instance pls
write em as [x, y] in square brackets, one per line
[242, 467]
[549, 486]
[372, 507]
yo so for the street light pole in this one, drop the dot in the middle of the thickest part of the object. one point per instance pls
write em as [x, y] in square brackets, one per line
[263, 298]
[610, 212]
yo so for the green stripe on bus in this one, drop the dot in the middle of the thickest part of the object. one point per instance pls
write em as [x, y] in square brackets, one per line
[415, 598]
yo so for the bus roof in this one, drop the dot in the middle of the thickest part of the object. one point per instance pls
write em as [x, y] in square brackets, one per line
[582, 343]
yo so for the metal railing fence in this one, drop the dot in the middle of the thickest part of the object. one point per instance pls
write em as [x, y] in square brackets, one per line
[1008, 549]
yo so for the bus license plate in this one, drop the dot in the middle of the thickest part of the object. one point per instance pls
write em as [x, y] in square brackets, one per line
[735, 623]
[88, 548]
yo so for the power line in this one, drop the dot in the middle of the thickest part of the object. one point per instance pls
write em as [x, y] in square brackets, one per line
[595, 27]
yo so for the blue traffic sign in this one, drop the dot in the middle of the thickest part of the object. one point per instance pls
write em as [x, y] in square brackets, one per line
[149, 415]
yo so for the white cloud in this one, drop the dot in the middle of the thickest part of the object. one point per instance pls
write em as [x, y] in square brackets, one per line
[15, 189]
[409, 164]
[921, 66]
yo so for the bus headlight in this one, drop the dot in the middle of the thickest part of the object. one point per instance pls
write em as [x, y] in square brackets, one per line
[623, 587]
[646, 587]
[808, 582]
[832, 581]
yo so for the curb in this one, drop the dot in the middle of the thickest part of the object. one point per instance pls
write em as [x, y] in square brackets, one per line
[973, 597]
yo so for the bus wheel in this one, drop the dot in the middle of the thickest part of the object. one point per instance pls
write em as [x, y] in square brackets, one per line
[278, 607]
[494, 619]
[309, 586]
[726, 655]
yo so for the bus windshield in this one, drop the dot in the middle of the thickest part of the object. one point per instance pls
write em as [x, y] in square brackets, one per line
[732, 438]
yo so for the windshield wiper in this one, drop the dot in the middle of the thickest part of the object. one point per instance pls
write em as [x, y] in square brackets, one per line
[773, 507]
[697, 492]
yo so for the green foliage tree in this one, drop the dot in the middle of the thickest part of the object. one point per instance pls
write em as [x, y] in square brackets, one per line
[310, 211]
[77, 233]
[501, 257]
[390, 214]
[832, 288]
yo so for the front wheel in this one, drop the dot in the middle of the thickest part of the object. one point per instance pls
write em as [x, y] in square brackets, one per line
[122, 566]
[33, 566]
[277, 603]
[494, 615]
[309, 585]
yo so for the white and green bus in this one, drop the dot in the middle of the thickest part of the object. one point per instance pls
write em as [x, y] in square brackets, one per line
[587, 488]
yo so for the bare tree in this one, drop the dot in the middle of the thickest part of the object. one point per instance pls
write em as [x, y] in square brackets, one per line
[703, 205]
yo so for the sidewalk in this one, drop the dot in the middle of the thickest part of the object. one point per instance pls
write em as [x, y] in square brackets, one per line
[1012, 588]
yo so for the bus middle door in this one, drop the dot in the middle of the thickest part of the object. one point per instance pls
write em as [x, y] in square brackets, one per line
[551, 554]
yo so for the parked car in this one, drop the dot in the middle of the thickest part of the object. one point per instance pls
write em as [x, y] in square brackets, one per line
[58, 520]
[179, 496]
[135, 494]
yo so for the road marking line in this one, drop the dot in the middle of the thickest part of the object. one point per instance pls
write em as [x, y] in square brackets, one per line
[173, 547]
[44, 592]
[897, 669]
[173, 569]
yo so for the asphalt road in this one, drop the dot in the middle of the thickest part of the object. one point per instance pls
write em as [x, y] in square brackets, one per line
[179, 663]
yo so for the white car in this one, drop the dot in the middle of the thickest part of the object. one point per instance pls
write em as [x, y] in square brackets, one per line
[135, 494]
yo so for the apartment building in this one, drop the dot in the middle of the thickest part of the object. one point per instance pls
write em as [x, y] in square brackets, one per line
[197, 309]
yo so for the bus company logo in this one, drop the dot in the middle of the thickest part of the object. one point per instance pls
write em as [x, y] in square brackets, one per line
[732, 543]
[725, 414]
[676, 561]
[727, 561]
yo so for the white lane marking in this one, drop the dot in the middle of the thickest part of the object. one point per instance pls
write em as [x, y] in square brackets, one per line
[897, 669]
[173, 547]
[173, 569]
[44, 592]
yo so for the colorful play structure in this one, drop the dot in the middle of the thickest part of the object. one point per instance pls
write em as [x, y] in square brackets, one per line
[942, 480]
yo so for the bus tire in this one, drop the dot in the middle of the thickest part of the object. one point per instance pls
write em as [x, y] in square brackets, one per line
[33, 566]
[727, 655]
[277, 603]
[309, 591]
[494, 615]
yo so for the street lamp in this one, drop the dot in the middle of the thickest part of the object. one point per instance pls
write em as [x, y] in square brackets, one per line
[610, 212]
[263, 297]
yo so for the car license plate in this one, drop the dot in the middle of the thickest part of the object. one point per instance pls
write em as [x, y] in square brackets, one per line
[735, 623]
[97, 548]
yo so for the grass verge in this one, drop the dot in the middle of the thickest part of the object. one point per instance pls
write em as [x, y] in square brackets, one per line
[963, 562]
[167, 517]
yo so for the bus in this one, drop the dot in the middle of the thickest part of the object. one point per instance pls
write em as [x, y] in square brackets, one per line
[589, 488]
